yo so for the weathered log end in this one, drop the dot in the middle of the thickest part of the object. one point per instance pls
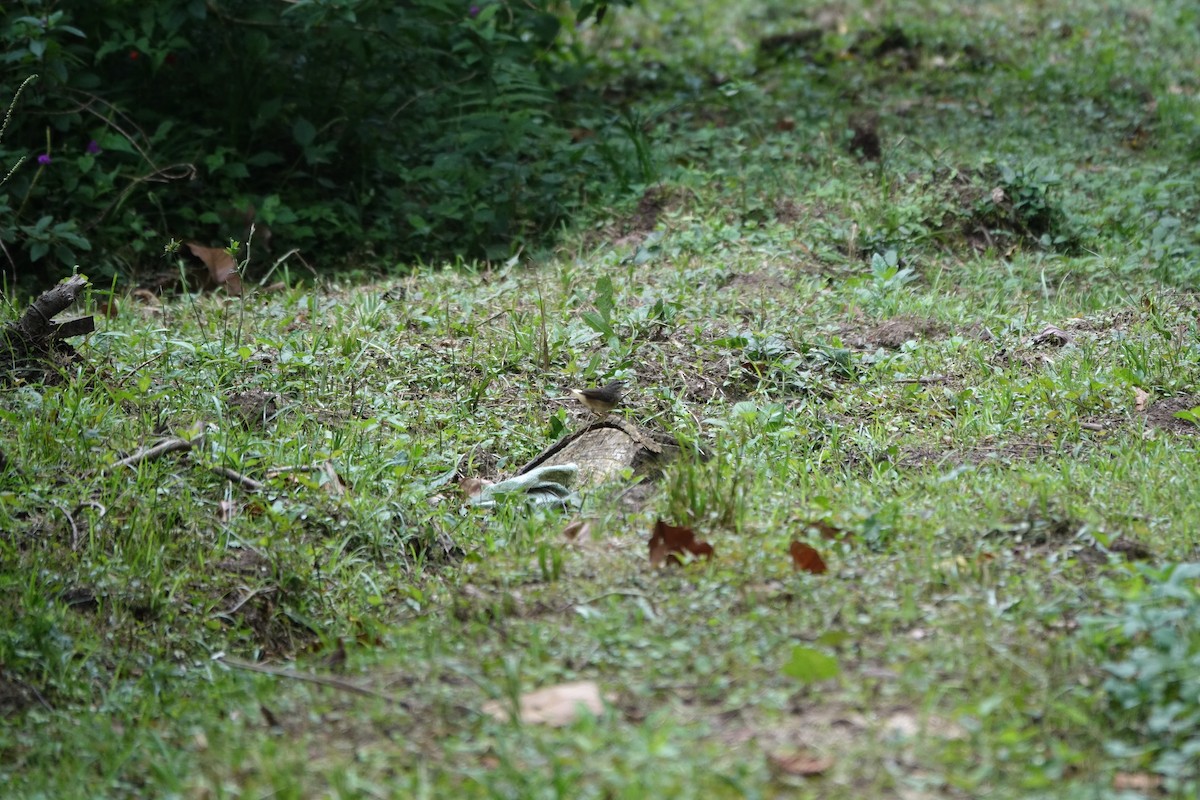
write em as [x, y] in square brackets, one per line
[34, 348]
[605, 449]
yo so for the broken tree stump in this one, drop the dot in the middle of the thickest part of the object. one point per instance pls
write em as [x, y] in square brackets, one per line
[34, 347]
[604, 449]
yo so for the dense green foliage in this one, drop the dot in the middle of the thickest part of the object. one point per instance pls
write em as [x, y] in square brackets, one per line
[345, 128]
[1154, 698]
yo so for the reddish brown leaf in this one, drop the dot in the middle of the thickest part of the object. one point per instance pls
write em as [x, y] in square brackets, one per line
[670, 543]
[803, 764]
[806, 557]
[222, 267]
[473, 487]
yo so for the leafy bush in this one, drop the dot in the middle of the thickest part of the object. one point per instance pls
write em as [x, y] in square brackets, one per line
[345, 128]
[1152, 688]
[1022, 205]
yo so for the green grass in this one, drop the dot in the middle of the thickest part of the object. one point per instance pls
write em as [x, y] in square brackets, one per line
[851, 342]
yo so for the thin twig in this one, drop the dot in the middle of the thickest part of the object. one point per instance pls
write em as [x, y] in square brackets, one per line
[244, 481]
[173, 445]
[74, 527]
[319, 680]
[107, 119]
[160, 175]
[95, 506]
[274, 266]
[925, 381]
[427, 92]
[277, 471]
[250, 594]
[32, 689]
[139, 367]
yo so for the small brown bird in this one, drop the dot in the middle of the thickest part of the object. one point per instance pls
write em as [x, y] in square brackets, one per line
[602, 400]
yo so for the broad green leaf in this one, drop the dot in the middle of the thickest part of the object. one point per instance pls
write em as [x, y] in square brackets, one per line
[810, 666]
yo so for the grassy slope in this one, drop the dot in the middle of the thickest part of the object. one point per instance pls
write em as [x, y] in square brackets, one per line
[974, 469]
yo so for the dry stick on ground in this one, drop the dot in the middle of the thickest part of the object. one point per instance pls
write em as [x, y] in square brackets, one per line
[138, 368]
[320, 680]
[244, 481]
[925, 381]
[250, 595]
[173, 445]
[71, 522]
[274, 472]
[176, 445]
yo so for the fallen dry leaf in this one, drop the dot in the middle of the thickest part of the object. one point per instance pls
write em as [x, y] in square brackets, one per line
[805, 557]
[226, 510]
[1051, 335]
[555, 705]
[145, 296]
[578, 529]
[473, 487]
[670, 543]
[298, 322]
[803, 764]
[1137, 781]
[1140, 397]
[333, 483]
[222, 267]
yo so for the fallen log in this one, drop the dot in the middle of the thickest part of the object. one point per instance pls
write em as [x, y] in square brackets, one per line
[604, 449]
[34, 347]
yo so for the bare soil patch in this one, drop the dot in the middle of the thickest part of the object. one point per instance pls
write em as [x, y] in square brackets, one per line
[1162, 414]
[892, 334]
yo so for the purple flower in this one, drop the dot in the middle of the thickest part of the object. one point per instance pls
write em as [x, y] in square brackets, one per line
[473, 12]
[93, 147]
[44, 159]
